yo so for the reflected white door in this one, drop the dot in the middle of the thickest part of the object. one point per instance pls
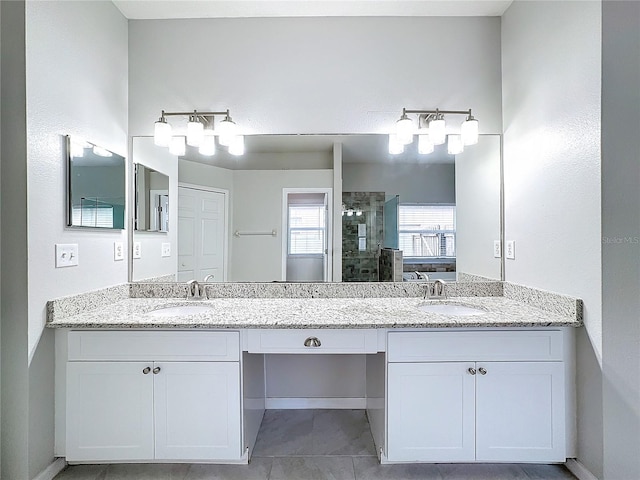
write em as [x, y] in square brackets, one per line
[202, 220]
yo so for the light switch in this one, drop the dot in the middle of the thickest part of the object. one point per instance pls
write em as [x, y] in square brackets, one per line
[497, 251]
[362, 243]
[137, 249]
[362, 229]
[511, 249]
[166, 249]
[66, 255]
[118, 251]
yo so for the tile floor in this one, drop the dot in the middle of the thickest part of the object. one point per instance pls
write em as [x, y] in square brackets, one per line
[315, 445]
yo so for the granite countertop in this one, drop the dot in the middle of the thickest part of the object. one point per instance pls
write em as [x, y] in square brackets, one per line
[400, 312]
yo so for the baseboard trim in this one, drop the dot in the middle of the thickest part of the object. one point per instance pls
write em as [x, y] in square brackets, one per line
[579, 470]
[306, 403]
[52, 470]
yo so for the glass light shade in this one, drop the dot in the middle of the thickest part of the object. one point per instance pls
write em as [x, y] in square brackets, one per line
[195, 132]
[437, 131]
[227, 130]
[236, 146]
[162, 133]
[404, 130]
[454, 145]
[208, 144]
[469, 131]
[350, 213]
[177, 146]
[395, 147]
[425, 145]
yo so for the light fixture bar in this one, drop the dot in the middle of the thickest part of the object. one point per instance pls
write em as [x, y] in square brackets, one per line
[436, 111]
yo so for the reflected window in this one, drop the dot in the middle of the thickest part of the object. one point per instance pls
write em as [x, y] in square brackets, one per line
[306, 229]
[427, 231]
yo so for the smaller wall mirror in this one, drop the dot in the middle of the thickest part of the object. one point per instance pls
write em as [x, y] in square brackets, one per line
[151, 200]
[96, 186]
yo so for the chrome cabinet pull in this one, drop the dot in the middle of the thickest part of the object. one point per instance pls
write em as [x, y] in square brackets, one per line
[482, 371]
[471, 370]
[312, 342]
[146, 370]
[156, 370]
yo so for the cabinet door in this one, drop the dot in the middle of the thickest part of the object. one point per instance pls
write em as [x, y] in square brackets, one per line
[520, 412]
[109, 411]
[431, 412]
[197, 411]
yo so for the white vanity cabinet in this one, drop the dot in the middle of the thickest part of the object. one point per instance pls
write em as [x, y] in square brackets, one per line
[486, 396]
[140, 396]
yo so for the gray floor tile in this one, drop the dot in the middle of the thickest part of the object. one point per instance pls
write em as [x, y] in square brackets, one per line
[547, 472]
[341, 432]
[147, 471]
[258, 469]
[82, 472]
[312, 468]
[285, 432]
[368, 468]
[471, 471]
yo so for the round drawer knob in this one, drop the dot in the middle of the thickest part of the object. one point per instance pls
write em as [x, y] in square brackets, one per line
[146, 370]
[482, 371]
[471, 370]
[312, 342]
[156, 370]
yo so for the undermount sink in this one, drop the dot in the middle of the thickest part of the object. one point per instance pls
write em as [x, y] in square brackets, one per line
[450, 309]
[176, 310]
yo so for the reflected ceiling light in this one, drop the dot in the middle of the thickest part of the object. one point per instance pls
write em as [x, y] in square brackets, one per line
[425, 144]
[395, 146]
[200, 133]
[455, 145]
[101, 152]
[434, 120]
[177, 146]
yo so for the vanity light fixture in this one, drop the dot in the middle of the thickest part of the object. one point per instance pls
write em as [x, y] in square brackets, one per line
[431, 130]
[200, 133]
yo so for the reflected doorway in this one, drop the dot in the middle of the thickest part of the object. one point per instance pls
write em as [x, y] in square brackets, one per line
[307, 239]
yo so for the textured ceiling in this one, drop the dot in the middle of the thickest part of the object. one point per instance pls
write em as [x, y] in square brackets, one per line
[167, 9]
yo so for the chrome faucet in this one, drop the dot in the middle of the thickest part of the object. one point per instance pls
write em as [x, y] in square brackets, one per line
[437, 292]
[210, 276]
[422, 276]
[194, 290]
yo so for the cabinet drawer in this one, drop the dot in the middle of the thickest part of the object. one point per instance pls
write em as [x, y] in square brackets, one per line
[475, 346]
[154, 345]
[328, 341]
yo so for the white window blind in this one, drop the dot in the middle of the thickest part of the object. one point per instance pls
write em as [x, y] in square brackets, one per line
[427, 230]
[306, 229]
[92, 214]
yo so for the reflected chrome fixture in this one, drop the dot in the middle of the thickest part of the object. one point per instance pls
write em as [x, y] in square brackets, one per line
[200, 133]
[432, 130]
[435, 291]
[194, 290]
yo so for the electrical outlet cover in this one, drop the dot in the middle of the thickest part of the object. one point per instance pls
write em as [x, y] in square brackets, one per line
[497, 251]
[511, 249]
[118, 251]
[137, 249]
[166, 249]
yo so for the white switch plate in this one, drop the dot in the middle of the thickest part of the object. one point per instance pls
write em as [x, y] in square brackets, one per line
[66, 255]
[511, 249]
[497, 251]
[137, 249]
[166, 249]
[118, 251]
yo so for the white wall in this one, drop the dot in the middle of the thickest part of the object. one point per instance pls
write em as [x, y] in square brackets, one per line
[76, 69]
[415, 183]
[257, 207]
[621, 238]
[152, 264]
[478, 208]
[314, 75]
[551, 115]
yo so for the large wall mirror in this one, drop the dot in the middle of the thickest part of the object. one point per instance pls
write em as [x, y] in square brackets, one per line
[326, 208]
[96, 186]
